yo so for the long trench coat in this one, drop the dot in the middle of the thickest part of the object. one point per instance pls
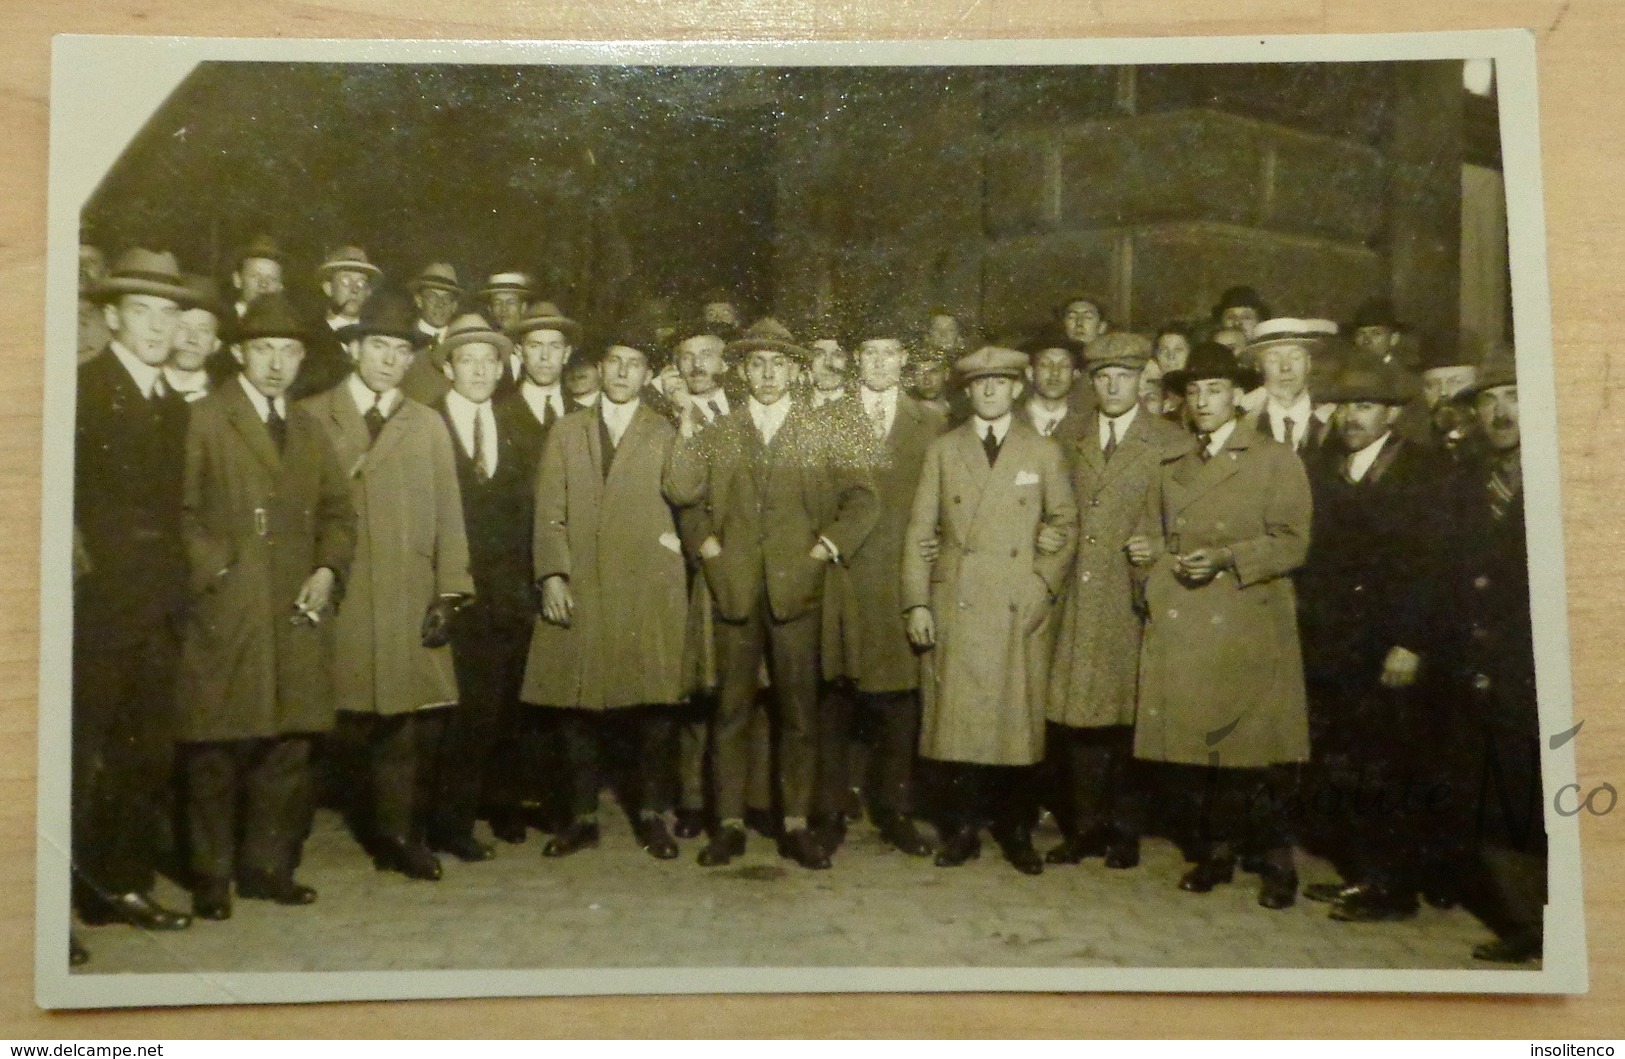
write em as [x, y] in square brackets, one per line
[615, 538]
[1221, 672]
[1095, 677]
[990, 592]
[257, 523]
[410, 550]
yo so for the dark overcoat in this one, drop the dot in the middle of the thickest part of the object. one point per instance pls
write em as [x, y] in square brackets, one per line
[1221, 671]
[258, 522]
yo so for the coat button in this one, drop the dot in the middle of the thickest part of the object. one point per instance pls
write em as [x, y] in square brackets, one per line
[1480, 633]
[1095, 502]
[1084, 577]
[956, 500]
[1173, 613]
[963, 605]
[1090, 540]
[1481, 582]
[1012, 553]
[1481, 682]
[1012, 608]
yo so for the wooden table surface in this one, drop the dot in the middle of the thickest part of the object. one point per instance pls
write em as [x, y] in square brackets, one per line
[1582, 90]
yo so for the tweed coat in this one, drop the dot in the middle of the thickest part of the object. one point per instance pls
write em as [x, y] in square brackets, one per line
[865, 633]
[615, 538]
[1221, 671]
[410, 550]
[768, 505]
[990, 592]
[1095, 677]
[257, 523]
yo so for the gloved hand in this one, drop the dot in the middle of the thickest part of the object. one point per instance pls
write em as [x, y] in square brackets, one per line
[438, 618]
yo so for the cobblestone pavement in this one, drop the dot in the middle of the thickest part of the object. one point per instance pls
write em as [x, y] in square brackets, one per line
[617, 907]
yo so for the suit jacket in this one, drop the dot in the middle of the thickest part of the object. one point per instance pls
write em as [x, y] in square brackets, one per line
[768, 504]
[1222, 661]
[497, 516]
[991, 593]
[613, 536]
[258, 522]
[1095, 679]
[1319, 430]
[129, 456]
[411, 550]
[866, 636]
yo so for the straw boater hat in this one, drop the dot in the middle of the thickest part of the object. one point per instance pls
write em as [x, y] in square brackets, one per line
[347, 259]
[1311, 334]
[518, 282]
[384, 314]
[545, 316]
[1372, 381]
[992, 360]
[1117, 349]
[1209, 360]
[440, 275]
[269, 316]
[766, 333]
[468, 329]
[141, 271]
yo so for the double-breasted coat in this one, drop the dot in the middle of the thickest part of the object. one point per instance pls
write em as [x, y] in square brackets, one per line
[1221, 672]
[257, 523]
[615, 538]
[1094, 680]
[410, 550]
[990, 592]
[865, 633]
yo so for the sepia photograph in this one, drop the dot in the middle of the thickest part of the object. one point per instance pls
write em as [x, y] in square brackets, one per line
[540, 518]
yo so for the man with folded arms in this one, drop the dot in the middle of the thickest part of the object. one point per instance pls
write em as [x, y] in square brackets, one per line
[270, 532]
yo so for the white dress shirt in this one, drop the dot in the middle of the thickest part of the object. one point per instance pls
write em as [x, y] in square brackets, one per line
[540, 398]
[769, 417]
[365, 400]
[1360, 463]
[1119, 424]
[466, 416]
[617, 417]
[1045, 420]
[262, 404]
[717, 398]
[144, 375]
[1001, 427]
[1216, 440]
[339, 323]
[881, 408]
[820, 398]
[1300, 412]
[191, 385]
[438, 334]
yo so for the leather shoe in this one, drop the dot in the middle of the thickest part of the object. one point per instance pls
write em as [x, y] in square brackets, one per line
[212, 900]
[1518, 947]
[509, 828]
[1278, 889]
[1074, 849]
[899, 832]
[690, 823]
[135, 908]
[411, 859]
[465, 848]
[572, 838]
[1123, 853]
[1017, 846]
[804, 848]
[1328, 892]
[764, 823]
[728, 843]
[830, 829]
[259, 887]
[1207, 874]
[959, 847]
[78, 955]
[1373, 904]
[655, 839]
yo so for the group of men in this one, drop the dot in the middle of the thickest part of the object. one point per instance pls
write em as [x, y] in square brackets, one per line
[1246, 584]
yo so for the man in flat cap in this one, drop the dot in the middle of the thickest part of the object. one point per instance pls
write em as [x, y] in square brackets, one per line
[1094, 681]
[1286, 352]
[1370, 603]
[256, 271]
[1240, 308]
[982, 613]
[777, 493]
[270, 531]
[129, 592]
[1221, 672]
[608, 655]
[866, 643]
[410, 574]
[347, 279]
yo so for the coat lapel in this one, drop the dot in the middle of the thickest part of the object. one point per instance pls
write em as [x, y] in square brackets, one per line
[246, 421]
[1196, 478]
[968, 448]
[349, 428]
[395, 428]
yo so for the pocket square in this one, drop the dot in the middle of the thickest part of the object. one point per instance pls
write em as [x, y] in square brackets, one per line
[669, 539]
[1026, 478]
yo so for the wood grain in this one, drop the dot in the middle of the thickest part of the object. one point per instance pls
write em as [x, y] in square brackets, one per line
[1582, 82]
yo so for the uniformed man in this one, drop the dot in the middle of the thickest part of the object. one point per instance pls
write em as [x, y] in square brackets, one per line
[347, 280]
[270, 531]
[983, 612]
[410, 574]
[766, 480]
[129, 593]
[1114, 460]
[1221, 672]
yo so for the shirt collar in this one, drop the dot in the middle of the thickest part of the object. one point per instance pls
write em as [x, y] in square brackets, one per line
[364, 397]
[719, 397]
[1001, 426]
[338, 323]
[543, 392]
[1216, 440]
[185, 383]
[1121, 423]
[619, 413]
[141, 373]
[1360, 462]
[462, 405]
[777, 410]
[1299, 411]
[262, 403]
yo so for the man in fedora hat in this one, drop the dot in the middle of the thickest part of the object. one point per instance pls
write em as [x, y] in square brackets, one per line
[347, 279]
[436, 293]
[546, 339]
[129, 592]
[1291, 355]
[1240, 308]
[496, 483]
[1094, 681]
[1369, 605]
[608, 655]
[410, 574]
[194, 363]
[270, 531]
[982, 613]
[505, 296]
[1221, 672]
[257, 270]
[776, 493]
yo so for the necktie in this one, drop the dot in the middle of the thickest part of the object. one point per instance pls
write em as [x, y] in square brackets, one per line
[990, 445]
[716, 410]
[278, 427]
[1203, 439]
[374, 420]
[158, 389]
[481, 471]
[548, 414]
[877, 420]
[1501, 495]
[1287, 426]
[1111, 439]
